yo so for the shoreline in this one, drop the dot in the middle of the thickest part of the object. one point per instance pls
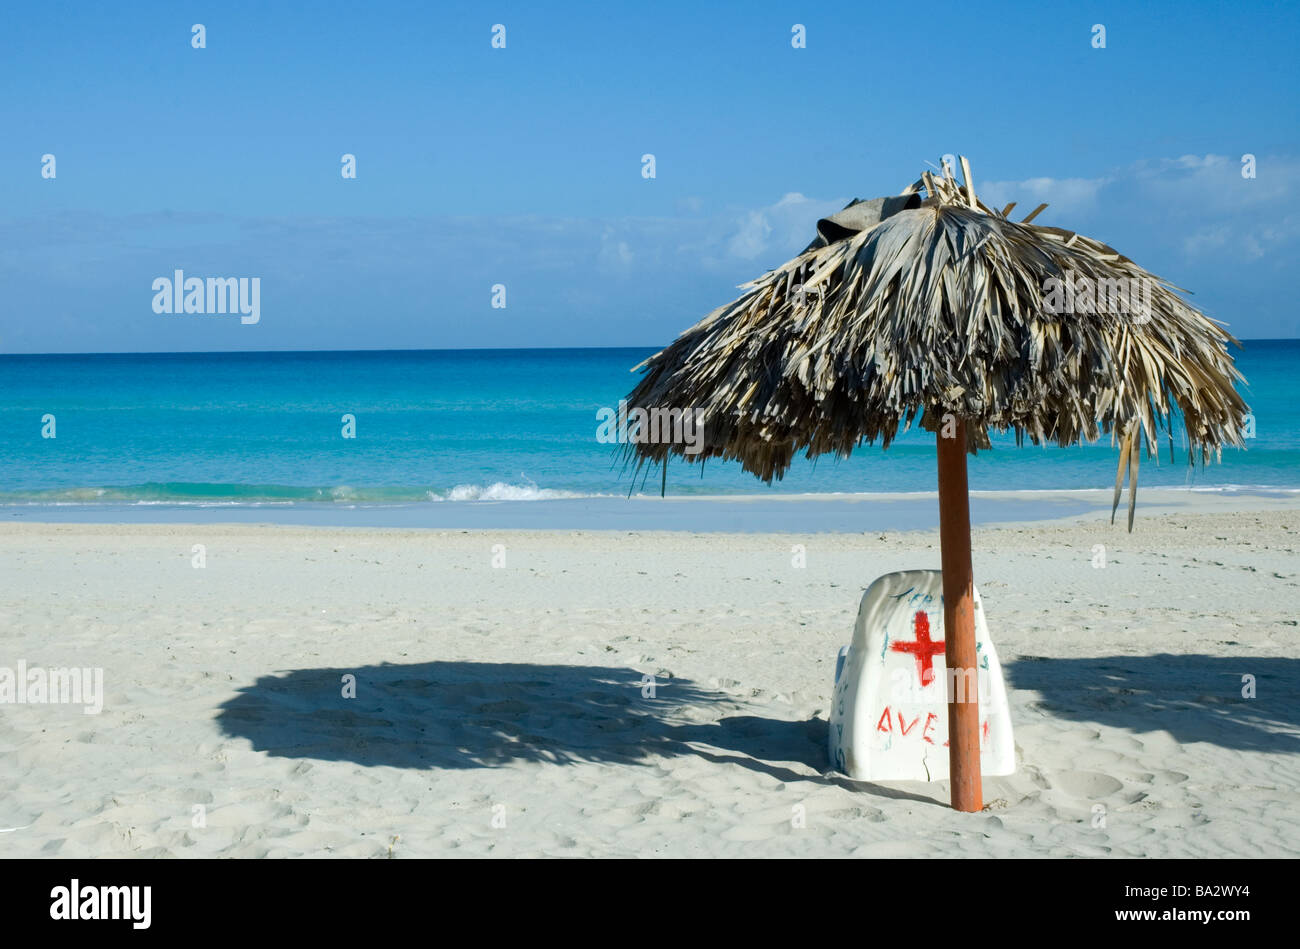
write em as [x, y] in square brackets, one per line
[782, 514]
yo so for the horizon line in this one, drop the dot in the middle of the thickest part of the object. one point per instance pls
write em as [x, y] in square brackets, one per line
[300, 352]
[456, 349]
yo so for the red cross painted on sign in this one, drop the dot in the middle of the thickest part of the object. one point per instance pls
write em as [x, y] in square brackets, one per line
[923, 648]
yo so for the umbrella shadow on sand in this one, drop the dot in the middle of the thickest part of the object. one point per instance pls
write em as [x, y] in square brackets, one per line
[452, 715]
[1193, 697]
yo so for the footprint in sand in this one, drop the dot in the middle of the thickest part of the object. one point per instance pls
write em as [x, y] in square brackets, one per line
[1086, 784]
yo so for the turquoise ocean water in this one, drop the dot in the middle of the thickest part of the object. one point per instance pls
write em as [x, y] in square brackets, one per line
[467, 427]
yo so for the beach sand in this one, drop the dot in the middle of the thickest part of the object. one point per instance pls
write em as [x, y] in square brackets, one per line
[500, 711]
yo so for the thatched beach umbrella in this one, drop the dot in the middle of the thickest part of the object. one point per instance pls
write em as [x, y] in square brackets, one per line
[931, 308]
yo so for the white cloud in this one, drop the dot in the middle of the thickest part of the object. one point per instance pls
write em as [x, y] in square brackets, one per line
[1206, 239]
[615, 253]
[751, 236]
[780, 229]
[1198, 204]
[1213, 183]
[1220, 213]
[1063, 195]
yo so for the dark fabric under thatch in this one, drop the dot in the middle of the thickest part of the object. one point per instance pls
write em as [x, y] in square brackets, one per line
[860, 216]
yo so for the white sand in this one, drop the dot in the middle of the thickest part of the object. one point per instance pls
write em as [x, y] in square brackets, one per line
[515, 692]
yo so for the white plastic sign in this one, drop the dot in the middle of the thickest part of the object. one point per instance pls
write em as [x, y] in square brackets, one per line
[889, 707]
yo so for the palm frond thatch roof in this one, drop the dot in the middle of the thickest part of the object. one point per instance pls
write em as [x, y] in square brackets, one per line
[908, 308]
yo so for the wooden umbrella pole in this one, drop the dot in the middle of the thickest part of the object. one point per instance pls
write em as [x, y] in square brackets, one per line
[959, 623]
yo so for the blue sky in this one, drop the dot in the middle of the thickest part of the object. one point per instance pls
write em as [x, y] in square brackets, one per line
[522, 166]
